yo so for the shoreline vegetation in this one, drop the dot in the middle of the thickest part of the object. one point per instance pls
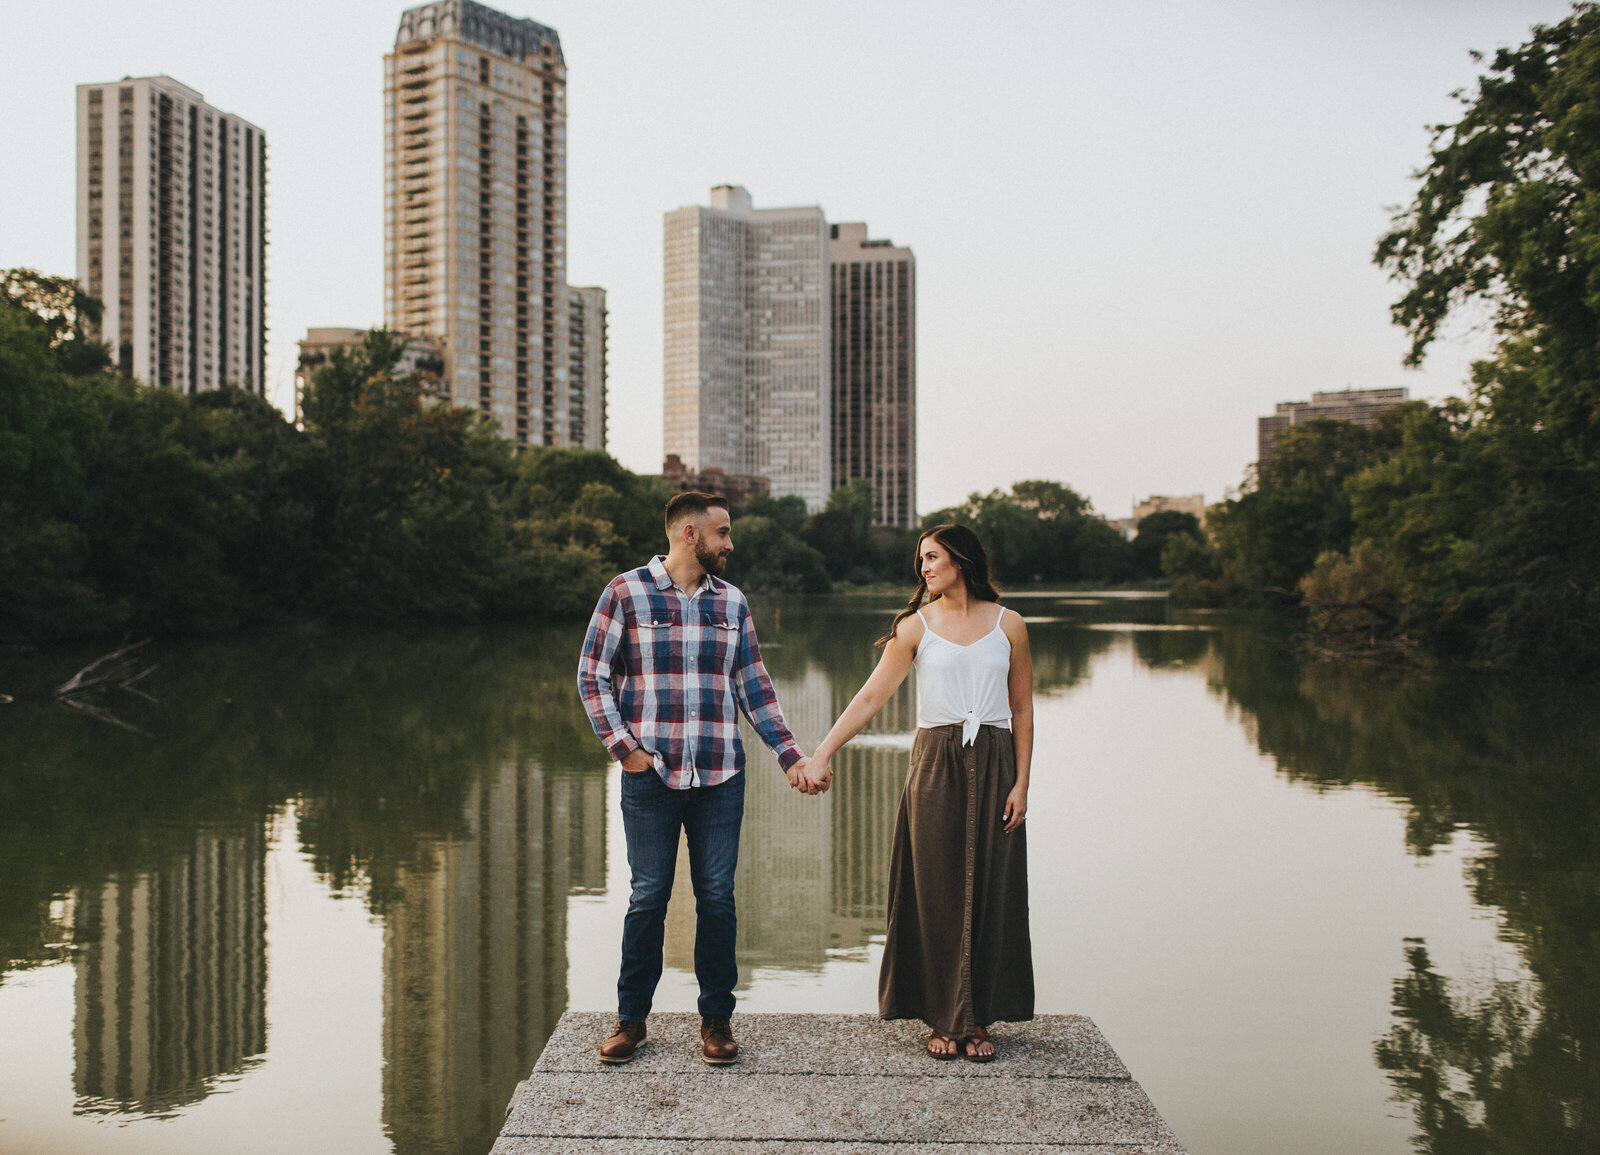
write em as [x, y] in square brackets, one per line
[1466, 532]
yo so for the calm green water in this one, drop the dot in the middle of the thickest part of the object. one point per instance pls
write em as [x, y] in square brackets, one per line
[336, 893]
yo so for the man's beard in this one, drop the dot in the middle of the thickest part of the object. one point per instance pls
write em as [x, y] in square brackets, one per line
[710, 560]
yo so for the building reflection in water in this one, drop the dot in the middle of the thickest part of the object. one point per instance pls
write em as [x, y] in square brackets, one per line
[172, 977]
[813, 872]
[475, 952]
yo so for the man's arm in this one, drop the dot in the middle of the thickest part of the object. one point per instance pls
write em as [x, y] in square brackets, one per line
[756, 697]
[595, 668]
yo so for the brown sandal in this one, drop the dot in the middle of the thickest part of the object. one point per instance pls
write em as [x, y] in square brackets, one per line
[970, 1046]
[937, 1038]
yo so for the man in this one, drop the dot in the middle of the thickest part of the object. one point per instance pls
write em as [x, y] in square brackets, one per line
[671, 651]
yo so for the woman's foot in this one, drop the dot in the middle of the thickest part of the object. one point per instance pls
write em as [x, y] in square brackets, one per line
[979, 1048]
[942, 1046]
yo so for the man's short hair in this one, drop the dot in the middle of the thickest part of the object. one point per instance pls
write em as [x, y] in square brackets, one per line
[692, 503]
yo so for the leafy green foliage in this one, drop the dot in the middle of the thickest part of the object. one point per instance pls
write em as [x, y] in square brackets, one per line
[124, 507]
[1153, 534]
[1043, 531]
[1491, 512]
[768, 556]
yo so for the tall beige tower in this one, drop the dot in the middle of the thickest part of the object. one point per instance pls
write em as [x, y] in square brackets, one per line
[874, 370]
[746, 342]
[475, 218]
[172, 233]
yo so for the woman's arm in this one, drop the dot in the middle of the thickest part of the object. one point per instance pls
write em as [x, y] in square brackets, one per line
[1019, 689]
[885, 680]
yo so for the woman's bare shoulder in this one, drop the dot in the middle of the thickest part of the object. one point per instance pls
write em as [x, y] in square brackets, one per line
[1011, 624]
[908, 633]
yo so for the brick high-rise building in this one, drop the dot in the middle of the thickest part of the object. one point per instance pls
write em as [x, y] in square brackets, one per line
[746, 342]
[874, 370]
[475, 217]
[172, 233]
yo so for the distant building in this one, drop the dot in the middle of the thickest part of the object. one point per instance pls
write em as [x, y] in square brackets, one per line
[873, 370]
[422, 355]
[1194, 503]
[475, 210]
[746, 343]
[736, 487]
[172, 233]
[586, 310]
[1360, 406]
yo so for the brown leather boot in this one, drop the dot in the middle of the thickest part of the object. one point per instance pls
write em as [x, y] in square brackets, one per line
[623, 1043]
[716, 1041]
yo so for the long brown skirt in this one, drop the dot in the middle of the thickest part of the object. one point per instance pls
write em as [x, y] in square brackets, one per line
[958, 954]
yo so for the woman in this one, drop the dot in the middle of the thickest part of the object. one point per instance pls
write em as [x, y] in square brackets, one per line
[958, 955]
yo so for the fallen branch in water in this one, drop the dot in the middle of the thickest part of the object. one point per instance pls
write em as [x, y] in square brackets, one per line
[111, 672]
[114, 671]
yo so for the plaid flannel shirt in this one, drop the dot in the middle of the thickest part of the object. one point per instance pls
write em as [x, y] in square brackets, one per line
[664, 670]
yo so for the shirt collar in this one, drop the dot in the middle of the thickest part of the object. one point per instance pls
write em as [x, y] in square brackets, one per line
[663, 580]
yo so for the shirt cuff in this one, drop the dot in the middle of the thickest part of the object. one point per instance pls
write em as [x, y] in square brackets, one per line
[622, 747]
[789, 755]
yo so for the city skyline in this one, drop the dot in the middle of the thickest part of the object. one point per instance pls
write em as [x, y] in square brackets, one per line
[1177, 225]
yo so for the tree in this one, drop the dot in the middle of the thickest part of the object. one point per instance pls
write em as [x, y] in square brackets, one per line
[1507, 215]
[1153, 534]
[767, 556]
[842, 533]
[414, 524]
[788, 512]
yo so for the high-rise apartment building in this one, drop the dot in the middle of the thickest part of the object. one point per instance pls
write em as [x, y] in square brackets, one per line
[172, 233]
[746, 342]
[475, 219]
[874, 370]
[1361, 406]
[586, 312]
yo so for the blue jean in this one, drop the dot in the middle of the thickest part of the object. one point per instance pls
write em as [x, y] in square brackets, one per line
[710, 817]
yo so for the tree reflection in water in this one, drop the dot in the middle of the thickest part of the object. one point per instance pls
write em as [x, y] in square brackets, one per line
[1502, 1066]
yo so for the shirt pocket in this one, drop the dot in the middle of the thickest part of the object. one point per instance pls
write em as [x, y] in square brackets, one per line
[656, 633]
[719, 644]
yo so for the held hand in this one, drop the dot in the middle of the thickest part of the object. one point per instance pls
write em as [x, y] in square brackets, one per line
[1016, 807]
[797, 776]
[819, 774]
[638, 761]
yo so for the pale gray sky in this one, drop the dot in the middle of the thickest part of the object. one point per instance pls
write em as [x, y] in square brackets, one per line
[1136, 226]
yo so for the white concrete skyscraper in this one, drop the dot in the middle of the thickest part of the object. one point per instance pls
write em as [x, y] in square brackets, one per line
[746, 342]
[475, 217]
[172, 233]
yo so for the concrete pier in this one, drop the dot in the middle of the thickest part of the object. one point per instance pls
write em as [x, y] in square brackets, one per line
[832, 1085]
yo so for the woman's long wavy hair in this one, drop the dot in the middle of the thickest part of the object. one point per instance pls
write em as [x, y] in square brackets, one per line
[971, 559]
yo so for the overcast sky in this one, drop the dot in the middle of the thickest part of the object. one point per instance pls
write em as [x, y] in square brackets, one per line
[1136, 226]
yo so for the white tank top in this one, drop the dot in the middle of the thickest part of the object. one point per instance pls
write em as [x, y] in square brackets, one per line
[965, 684]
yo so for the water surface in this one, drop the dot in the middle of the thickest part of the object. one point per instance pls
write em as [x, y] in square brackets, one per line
[333, 893]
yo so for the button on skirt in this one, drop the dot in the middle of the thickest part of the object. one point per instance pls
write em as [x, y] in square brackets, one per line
[958, 954]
